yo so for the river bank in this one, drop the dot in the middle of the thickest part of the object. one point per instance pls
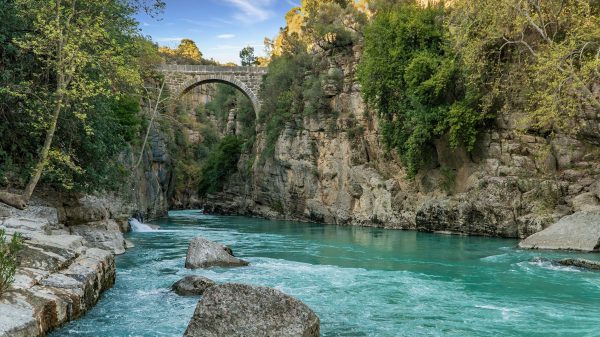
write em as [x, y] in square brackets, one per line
[359, 281]
[66, 264]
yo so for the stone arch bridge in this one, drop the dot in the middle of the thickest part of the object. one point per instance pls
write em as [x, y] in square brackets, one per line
[182, 78]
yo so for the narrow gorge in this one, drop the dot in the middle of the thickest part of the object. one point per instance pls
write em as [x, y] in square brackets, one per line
[382, 168]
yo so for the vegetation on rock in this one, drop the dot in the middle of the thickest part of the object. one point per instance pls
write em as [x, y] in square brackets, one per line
[8, 259]
[219, 165]
[414, 81]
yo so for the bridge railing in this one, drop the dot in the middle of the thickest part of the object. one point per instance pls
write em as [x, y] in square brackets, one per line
[193, 68]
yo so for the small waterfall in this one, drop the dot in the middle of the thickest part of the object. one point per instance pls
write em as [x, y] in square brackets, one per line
[137, 226]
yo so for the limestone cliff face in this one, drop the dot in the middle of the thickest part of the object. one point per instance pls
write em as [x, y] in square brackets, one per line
[150, 185]
[334, 170]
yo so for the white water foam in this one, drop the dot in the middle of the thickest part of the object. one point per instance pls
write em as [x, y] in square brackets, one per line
[507, 313]
[546, 264]
[137, 226]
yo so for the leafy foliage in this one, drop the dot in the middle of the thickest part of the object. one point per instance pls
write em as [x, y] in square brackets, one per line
[8, 259]
[186, 53]
[92, 91]
[412, 79]
[247, 56]
[220, 164]
[536, 56]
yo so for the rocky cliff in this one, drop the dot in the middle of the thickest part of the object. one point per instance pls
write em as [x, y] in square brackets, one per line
[147, 192]
[333, 169]
[66, 263]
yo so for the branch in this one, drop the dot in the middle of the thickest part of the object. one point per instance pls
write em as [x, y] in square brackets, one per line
[532, 23]
[150, 124]
[521, 41]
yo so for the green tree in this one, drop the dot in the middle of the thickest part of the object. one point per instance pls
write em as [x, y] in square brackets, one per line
[415, 83]
[537, 56]
[247, 56]
[220, 164]
[83, 49]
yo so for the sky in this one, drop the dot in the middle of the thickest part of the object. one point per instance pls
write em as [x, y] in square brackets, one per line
[220, 28]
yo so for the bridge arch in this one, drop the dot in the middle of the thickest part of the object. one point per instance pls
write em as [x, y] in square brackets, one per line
[182, 78]
[225, 79]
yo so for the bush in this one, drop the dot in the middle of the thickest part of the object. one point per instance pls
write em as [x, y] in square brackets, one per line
[219, 165]
[412, 79]
[8, 259]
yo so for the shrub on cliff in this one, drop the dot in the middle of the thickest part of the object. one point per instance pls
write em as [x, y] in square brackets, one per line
[8, 259]
[220, 164]
[538, 57]
[410, 76]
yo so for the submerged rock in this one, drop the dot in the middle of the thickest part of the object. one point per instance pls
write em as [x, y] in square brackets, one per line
[203, 253]
[579, 231]
[581, 263]
[192, 285]
[243, 310]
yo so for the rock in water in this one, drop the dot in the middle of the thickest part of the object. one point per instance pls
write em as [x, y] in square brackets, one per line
[203, 253]
[579, 231]
[192, 285]
[581, 263]
[241, 310]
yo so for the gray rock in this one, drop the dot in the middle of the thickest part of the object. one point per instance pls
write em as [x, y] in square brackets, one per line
[579, 231]
[242, 310]
[192, 285]
[581, 263]
[104, 234]
[203, 253]
[586, 202]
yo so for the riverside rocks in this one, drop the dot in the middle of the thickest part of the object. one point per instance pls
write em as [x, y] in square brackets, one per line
[243, 310]
[203, 253]
[579, 231]
[581, 263]
[60, 275]
[192, 285]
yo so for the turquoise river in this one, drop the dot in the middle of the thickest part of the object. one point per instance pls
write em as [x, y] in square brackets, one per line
[359, 281]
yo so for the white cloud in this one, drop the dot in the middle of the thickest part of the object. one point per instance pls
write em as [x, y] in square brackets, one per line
[252, 10]
[225, 36]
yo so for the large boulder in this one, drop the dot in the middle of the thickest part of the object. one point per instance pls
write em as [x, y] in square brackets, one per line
[242, 310]
[579, 231]
[204, 253]
[192, 285]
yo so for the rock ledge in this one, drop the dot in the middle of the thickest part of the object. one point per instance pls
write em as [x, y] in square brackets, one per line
[579, 231]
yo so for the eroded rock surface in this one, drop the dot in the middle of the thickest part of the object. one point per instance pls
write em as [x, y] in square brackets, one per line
[203, 253]
[579, 231]
[335, 169]
[60, 275]
[237, 310]
[192, 285]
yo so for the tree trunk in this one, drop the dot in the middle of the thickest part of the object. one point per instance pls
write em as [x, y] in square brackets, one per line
[21, 201]
[39, 168]
[14, 200]
[154, 112]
